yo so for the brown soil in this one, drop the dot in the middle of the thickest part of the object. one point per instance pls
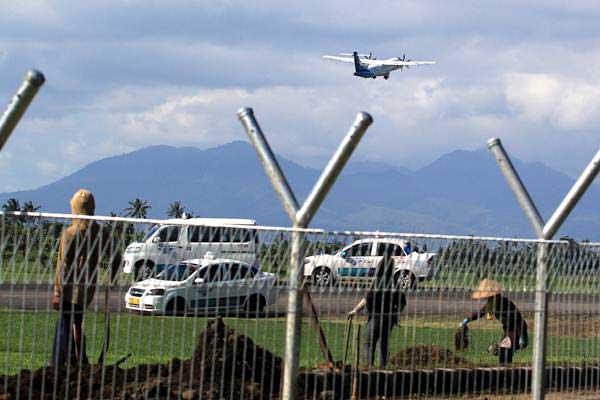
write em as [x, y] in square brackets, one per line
[574, 395]
[574, 325]
[224, 365]
[424, 356]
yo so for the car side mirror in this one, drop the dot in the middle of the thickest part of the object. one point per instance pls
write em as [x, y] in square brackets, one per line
[343, 254]
[156, 239]
[198, 281]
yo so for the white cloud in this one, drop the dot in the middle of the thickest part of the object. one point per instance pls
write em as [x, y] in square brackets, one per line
[123, 76]
[534, 96]
[47, 167]
[5, 157]
[38, 12]
[565, 102]
[307, 123]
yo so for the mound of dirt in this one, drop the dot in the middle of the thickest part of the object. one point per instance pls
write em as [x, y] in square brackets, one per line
[426, 356]
[224, 365]
[228, 359]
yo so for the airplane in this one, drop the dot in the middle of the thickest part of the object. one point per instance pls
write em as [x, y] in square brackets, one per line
[367, 66]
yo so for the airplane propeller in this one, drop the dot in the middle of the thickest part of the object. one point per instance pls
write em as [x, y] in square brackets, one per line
[404, 59]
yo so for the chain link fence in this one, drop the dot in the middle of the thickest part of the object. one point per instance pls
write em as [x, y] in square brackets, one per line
[197, 309]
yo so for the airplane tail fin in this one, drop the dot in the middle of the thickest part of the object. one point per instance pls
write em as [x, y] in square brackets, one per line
[357, 64]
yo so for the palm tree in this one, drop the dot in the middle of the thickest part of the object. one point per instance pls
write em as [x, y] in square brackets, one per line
[175, 210]
[138, 208]
[14, 225]
[12, 205]
[29, 207]
[30, 224]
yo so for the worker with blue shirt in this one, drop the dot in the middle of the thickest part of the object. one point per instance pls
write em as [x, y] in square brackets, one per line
[501, 308]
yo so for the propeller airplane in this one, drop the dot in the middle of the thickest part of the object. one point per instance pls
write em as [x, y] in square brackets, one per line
[367, 66]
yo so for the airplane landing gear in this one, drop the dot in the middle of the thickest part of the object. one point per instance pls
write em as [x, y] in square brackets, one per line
[386, 77]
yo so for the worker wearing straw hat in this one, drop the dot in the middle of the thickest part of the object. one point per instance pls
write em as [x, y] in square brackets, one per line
[501, 308]
[81, 248]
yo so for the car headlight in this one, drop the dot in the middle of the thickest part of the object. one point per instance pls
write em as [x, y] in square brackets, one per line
[306, 261]
[133, 249]
[156, 292]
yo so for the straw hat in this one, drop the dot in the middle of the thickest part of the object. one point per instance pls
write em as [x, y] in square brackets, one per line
[83, 203]
[487, 288]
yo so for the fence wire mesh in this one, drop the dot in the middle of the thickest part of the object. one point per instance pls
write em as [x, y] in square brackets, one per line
[196, 309]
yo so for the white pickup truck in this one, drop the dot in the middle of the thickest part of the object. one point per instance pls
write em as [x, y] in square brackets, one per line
[360, 260]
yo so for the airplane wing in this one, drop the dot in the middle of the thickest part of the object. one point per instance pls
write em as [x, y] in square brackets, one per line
[344, 59]
[405, 63]
[359, 55]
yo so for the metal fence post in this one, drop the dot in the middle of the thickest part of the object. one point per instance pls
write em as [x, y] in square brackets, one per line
[334, 168]
[269, 162]
[19, 103]
[538, 384]
[544, 232]
[515, 183]
[294, 317]
[570, 201]
[300, 217]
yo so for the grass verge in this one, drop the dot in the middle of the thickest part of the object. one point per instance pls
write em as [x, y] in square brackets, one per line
[27, 339]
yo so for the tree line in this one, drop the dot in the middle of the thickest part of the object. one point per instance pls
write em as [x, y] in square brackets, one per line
[35, 239]
[516, 257]
[138, 208]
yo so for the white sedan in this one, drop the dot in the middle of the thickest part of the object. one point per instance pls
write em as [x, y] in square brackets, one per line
[361, 258]
[204, 285]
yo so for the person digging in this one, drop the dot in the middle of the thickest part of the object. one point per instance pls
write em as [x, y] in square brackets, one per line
[384, 302]
[501, 308]
[82, 246]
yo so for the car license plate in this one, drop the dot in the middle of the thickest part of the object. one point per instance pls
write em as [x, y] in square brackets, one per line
[134, 301]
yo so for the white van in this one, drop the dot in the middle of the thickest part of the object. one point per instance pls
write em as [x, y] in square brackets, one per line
[167, 244]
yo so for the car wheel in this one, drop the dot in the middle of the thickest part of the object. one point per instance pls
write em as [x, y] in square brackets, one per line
[176, 306]
[406, 280]
[322, 277]
[255, 303]
[144, 270]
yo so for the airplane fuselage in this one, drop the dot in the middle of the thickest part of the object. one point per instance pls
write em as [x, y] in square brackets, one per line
[375, 69]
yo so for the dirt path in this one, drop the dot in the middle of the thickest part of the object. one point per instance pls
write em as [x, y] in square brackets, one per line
[550, 396]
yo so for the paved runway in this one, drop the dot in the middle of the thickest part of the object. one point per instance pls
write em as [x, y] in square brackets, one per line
[336, 302]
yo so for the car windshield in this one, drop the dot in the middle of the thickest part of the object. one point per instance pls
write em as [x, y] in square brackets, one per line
[177, 272]
[150, 233]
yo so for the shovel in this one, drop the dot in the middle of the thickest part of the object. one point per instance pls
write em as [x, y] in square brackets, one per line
[104, 350]
[342, 363]
[347, 343]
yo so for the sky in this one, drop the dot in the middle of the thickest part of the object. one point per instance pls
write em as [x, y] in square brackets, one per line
[122, 75]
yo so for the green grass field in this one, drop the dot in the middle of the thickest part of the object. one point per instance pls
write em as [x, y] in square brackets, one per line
[27, 339]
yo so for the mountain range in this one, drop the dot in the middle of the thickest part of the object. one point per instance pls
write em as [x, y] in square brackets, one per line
[462, 192]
